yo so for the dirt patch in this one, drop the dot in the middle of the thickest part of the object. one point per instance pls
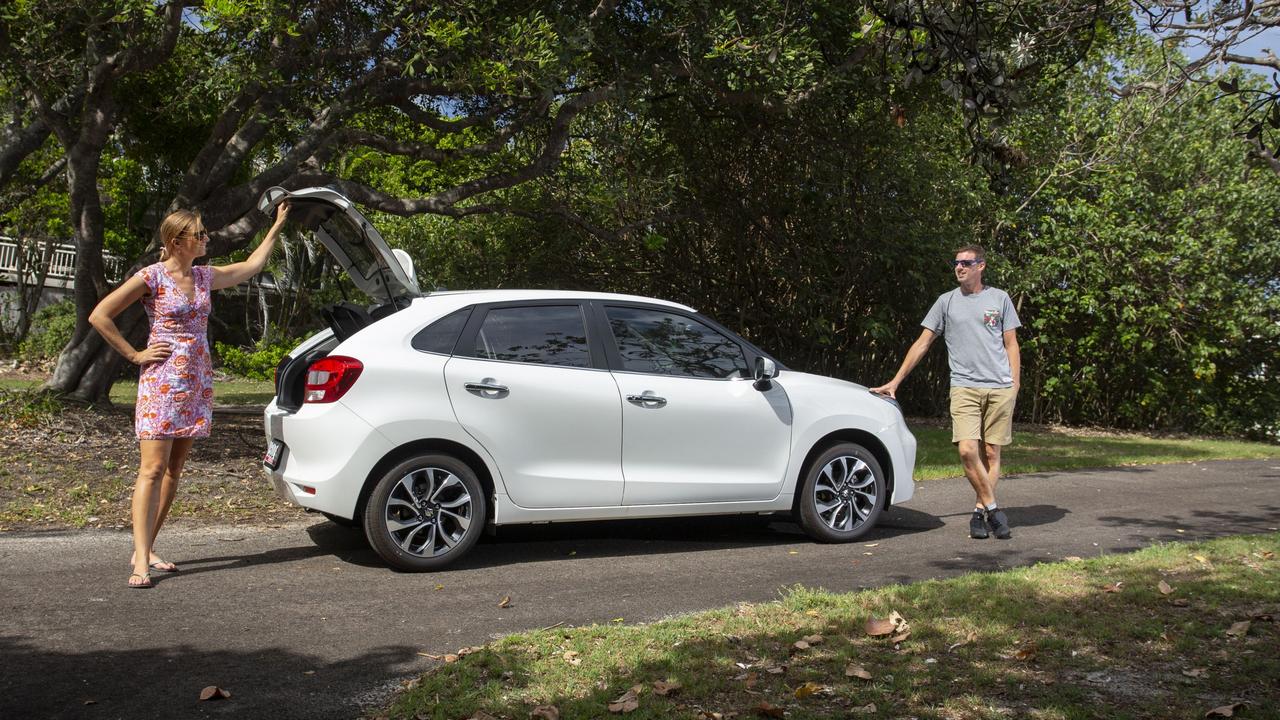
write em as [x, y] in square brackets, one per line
[75, 468]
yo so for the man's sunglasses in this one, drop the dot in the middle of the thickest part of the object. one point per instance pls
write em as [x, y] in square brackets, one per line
[964, 263]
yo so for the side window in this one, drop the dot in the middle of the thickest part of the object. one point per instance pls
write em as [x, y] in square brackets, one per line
[651, 341]
[547, 334]
[441, 335]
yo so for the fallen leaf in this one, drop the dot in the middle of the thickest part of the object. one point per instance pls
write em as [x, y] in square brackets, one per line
[813, 639]
[308, 672]
[1164, 588]
[767, 710]
[482, 715]
[665, 688]
[776, 669]
[1268, 554]
[505, 602]
[1225, 710]
[877, 627]
[545, 712]
[857, 671]
[1203, 560]
[900, 637]
[872, 545]
[868, 709]
[812, 613]
[793, 552]
[799, 646]
[1025, 654]
[1239, 629]
[571, 657]
[451, 658]
[1180, 602]
[213, 692]
[1112, 588]
[808, 689]
[973, 635]
[1196, 672]
[617, 620]
[439, 587]
[625, 703]
[1073, 558]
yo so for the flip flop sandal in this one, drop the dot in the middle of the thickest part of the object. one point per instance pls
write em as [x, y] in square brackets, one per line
[146, 583]
[164, 566]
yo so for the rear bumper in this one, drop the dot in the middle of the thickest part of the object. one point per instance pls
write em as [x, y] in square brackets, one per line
[329, 453]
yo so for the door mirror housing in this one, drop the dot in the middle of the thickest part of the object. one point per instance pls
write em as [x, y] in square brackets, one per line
[765, 370]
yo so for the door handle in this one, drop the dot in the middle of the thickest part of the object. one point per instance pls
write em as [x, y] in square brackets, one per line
[487, 388]
[648, 399]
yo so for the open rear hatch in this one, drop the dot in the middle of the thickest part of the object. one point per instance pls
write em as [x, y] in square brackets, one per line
[385, 275]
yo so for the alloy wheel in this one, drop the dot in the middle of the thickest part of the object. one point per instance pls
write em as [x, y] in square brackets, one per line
[844, 493]
[428, 512]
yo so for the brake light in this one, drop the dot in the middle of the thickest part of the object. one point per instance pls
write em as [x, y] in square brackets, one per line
[330, 378]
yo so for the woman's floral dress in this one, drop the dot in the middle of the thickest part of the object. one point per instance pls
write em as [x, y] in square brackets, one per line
[175, 397]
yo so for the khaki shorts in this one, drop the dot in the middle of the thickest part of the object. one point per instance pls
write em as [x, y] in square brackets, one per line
[984, 414]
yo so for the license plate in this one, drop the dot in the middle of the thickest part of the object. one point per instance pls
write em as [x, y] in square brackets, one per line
[275, 449]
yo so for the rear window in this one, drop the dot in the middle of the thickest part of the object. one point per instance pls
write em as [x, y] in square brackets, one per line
[441, 335]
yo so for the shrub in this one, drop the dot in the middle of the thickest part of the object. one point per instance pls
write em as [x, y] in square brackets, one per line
[51, 329]
[257, 362]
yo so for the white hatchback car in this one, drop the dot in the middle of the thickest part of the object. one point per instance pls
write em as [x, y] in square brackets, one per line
[430, 417]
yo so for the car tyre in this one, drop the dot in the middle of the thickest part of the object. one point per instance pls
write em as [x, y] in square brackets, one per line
[425, 513]
[843, 494]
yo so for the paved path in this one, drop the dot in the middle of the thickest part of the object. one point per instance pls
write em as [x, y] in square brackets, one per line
[303, 622]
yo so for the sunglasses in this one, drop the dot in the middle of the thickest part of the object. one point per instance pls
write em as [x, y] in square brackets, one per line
[964, 263]
[201, 235]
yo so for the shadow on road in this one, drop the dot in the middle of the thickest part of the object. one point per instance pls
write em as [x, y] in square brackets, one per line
[165, 681]
[617, 538]
[1205, 521]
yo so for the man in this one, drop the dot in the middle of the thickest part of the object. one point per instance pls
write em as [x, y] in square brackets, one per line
[980, 325]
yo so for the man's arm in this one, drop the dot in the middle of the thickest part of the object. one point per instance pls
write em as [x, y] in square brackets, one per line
[914, 354]
[1015, 357]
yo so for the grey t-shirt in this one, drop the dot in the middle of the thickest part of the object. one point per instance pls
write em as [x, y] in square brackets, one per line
[974, 327]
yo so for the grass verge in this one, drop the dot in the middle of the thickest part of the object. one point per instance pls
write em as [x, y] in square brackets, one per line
[1049, 449]
[1175, 630]
[238, 391]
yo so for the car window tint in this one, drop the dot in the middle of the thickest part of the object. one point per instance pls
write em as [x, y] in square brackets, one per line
[441, 335]
[547, 334]
[651, 341]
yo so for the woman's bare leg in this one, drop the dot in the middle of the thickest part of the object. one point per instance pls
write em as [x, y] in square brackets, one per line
[147, 497]
[169, 486]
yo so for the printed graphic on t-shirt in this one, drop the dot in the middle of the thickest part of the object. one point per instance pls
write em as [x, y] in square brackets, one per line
[991, 318]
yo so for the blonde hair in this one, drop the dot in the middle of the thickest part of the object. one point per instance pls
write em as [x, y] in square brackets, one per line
[176, 223]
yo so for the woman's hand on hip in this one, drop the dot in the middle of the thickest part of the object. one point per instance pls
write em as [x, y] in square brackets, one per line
[158, 351]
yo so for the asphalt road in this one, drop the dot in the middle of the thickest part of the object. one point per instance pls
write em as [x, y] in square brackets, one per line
[302, 621]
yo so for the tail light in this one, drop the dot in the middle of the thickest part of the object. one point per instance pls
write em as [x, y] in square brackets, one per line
[330, 378]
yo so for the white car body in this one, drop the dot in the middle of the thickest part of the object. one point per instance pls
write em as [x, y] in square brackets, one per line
[556, 443]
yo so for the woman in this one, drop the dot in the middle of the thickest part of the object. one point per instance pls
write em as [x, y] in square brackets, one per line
[175, 386]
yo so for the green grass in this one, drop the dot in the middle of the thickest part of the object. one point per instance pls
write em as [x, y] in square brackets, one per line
[1047, 642]
[1048, 450]
[225, 392]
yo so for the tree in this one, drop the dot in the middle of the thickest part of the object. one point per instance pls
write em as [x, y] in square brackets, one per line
[1202, 47]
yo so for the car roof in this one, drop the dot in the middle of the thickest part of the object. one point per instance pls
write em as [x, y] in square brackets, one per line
[467, 297]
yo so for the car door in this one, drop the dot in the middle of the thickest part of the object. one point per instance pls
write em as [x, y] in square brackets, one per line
[695, 427]
[524, 383]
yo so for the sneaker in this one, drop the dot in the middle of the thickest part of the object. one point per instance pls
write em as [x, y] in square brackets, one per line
[999, 524]
[978, 526]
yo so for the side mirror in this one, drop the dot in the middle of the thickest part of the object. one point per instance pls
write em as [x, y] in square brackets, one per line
[765, 370]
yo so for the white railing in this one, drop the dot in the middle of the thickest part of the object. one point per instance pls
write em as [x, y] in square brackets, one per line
[62, 262]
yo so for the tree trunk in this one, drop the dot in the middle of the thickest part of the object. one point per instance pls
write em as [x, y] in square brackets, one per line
[87, 366]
